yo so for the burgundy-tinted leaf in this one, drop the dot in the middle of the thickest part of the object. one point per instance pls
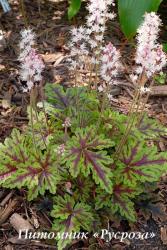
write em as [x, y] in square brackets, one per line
[85, 155]
[151, 128]
[40, 174]
[121, 201]
[140, 163]
[13, 153]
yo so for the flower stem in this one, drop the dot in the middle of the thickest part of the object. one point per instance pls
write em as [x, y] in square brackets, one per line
[90, 77]
[132, 115]
[32, 124]
[43, 105]
[42, 136]
[23, 12]
[33, 96]
[144, 104]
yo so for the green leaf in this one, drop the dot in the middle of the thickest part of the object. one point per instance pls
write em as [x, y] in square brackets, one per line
[165, 47]
[85, 154]
[13, 152]
[21, 167]
[84, 119]
[42, 131]
[120, 201]
[131, 14]
[151, 129]
[161, 77]
[73, 8]
[70, 99]
[113, 124]
[140, 163]
[40, 174]
[70, 216]
[102, 199]
[83, 187]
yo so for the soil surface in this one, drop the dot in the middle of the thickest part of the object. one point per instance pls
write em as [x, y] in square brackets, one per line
[49, 21]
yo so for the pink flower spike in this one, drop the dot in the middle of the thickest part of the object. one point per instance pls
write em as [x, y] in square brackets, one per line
[31, 68]
[31, 62]
[110, 63]
[99, 13]
[149, 55]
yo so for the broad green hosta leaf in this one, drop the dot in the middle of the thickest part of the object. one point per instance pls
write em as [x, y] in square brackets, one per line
[73, 8]
[85, 154]
[70, 216]
[131, 14]
[140, 163]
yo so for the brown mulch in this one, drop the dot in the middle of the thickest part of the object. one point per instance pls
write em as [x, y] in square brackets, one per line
[52, 28]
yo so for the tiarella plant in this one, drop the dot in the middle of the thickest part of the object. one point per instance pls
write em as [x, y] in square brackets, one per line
[90, 160]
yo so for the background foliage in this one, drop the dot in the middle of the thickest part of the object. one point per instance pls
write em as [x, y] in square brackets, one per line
[130, 13]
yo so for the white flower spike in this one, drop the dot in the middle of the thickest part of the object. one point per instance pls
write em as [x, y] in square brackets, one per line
[31, 62]
[149, 55]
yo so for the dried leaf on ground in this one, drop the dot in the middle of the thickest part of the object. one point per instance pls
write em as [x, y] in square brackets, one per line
[164, 235]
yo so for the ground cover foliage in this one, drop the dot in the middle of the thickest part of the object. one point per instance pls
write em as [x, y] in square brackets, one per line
[87, 158]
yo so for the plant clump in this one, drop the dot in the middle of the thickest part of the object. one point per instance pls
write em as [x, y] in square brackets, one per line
[87, 158]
